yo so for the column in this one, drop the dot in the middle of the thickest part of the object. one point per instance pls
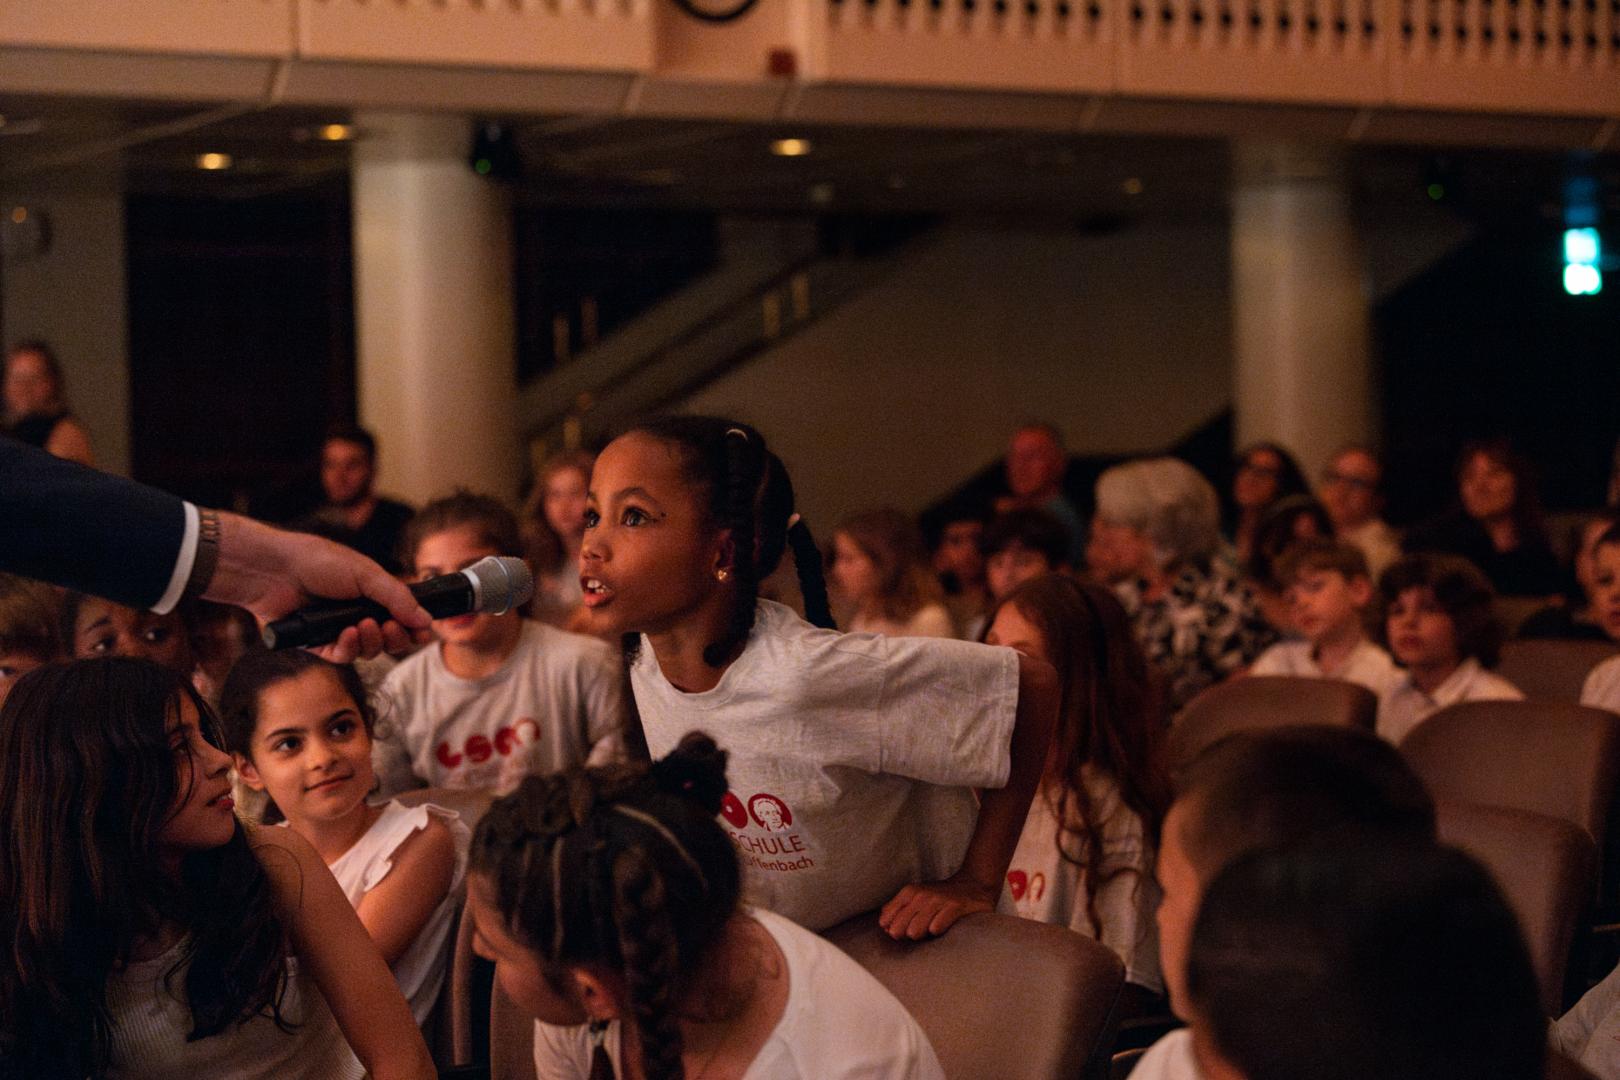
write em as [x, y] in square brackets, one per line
[434, 314]
[1301, 365]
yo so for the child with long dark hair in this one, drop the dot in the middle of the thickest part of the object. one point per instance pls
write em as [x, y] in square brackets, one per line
[855, 756]
[150, 934]
[1085, 858]
[617, 888]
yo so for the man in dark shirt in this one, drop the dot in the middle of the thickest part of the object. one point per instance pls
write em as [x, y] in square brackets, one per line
[354, 514]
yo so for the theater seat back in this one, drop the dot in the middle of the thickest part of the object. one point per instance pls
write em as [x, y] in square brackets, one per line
[1000, 998]
[1260, 702]
[1552, 670]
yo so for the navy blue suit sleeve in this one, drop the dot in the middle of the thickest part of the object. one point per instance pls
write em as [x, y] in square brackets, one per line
[90, 531]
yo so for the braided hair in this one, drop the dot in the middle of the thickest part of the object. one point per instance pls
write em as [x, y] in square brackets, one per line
[624, 866]
[745, 488]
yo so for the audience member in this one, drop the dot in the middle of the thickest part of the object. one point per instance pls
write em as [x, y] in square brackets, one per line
[880, 573]
[354, 514]
[150, 934]
[960, 566]
[1575, 618]
[1439, 627]
[220, 636]
[1036, 464]
[1352, 491]
[36, 411]
[28, 634]
[553, 523]
[1287, 522]
[300, 731]
[497, 697]
[92, 626]
[1396, 962]
[1265, 473]
[1330, 591]
[619, 888]
[1019, 546]
[1326, 786]
[1156, 539]
[1496, 524]
[857, 755]
[1602, 687]
[1085, 857]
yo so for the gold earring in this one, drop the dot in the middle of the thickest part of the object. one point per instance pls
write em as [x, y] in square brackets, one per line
[722, 575]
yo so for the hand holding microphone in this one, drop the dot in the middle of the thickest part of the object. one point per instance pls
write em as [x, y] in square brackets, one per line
[494, 585]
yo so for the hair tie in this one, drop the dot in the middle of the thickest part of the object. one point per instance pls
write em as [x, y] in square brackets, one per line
[793, 519]
[663, 830]
[737, 431]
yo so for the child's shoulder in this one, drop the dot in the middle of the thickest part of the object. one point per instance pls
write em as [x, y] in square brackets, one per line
[404, 836]
[1602, 685]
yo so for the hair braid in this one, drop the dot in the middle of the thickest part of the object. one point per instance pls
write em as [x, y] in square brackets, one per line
[812, 581]
[651, 953]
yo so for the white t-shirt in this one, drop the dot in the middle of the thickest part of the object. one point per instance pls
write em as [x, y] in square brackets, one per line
[150, 1022]
[1602, 687]
[931, 620]
[852, 759]
[1367, 665]
[839, 1022]
[421, 967]
[1171, 1058]
[1590, 1032]
[1405, 706]
[1044, 886]
[557, 701]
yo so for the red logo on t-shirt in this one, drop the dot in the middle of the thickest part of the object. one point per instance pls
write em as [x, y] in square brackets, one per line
[731, 808]
[1017, 883]
[771, 813]
[480, 748]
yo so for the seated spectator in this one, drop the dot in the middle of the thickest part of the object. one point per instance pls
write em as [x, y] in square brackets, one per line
[1439, 627]
[1575, 618]
[1036, 464]
[28, 636]
[1602, 687]
[1352, 493]
[35, 410]
[1497, 523]
[1085, 857]
[1330, 592]
[1286, 523]
[1330, 787]
[1395, 962]
[92, 626]
[880, 575]
[1156, 539]
[1265, 473]
[553, 523]
[1019, 546]
[496, 697]
[354, 514]
[959, 564]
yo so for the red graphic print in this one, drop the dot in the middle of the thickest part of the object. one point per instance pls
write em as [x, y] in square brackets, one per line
[771, 813]
[1017, 883]
[731, 808]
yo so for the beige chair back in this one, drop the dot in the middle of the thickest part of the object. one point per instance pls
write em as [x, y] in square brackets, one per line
[1544, 868]
[1258, 702]
[1552, 670]
[1000, 998]
[1547, 757]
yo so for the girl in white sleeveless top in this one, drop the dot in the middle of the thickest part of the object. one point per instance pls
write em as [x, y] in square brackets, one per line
[152, 935]
[300, 729]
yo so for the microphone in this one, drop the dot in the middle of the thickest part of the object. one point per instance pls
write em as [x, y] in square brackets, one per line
[494, 584]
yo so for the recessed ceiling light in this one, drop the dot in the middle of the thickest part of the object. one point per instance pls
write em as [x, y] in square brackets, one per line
[213, 162]
[335, 132]
[1133, 186]
[19, 214]
[791, 147]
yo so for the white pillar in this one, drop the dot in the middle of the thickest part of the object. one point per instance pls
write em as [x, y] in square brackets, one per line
[1301, 360]
[434, 315]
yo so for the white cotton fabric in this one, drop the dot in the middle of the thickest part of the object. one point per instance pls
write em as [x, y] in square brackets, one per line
[150, 1021]
[1367, 665]
[1590, 1032]
[931, 620]
[1405, 706]
[852, 758]
[420, 969]
[1602, 687]
[557, 701]
[839, 1023]
[1044, 886]
[1171, 1058]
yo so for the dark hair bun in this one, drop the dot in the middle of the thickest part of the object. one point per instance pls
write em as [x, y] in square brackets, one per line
[695, 769]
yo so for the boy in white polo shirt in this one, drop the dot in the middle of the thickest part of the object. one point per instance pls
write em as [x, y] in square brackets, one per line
[1329, 591]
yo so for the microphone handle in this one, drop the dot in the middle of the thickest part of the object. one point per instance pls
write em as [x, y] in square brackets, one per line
[320, 623]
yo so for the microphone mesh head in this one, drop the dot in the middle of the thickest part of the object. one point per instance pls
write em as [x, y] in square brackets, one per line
[500, 583]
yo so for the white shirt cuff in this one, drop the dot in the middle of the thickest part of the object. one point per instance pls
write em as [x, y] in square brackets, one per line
[182, 565]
